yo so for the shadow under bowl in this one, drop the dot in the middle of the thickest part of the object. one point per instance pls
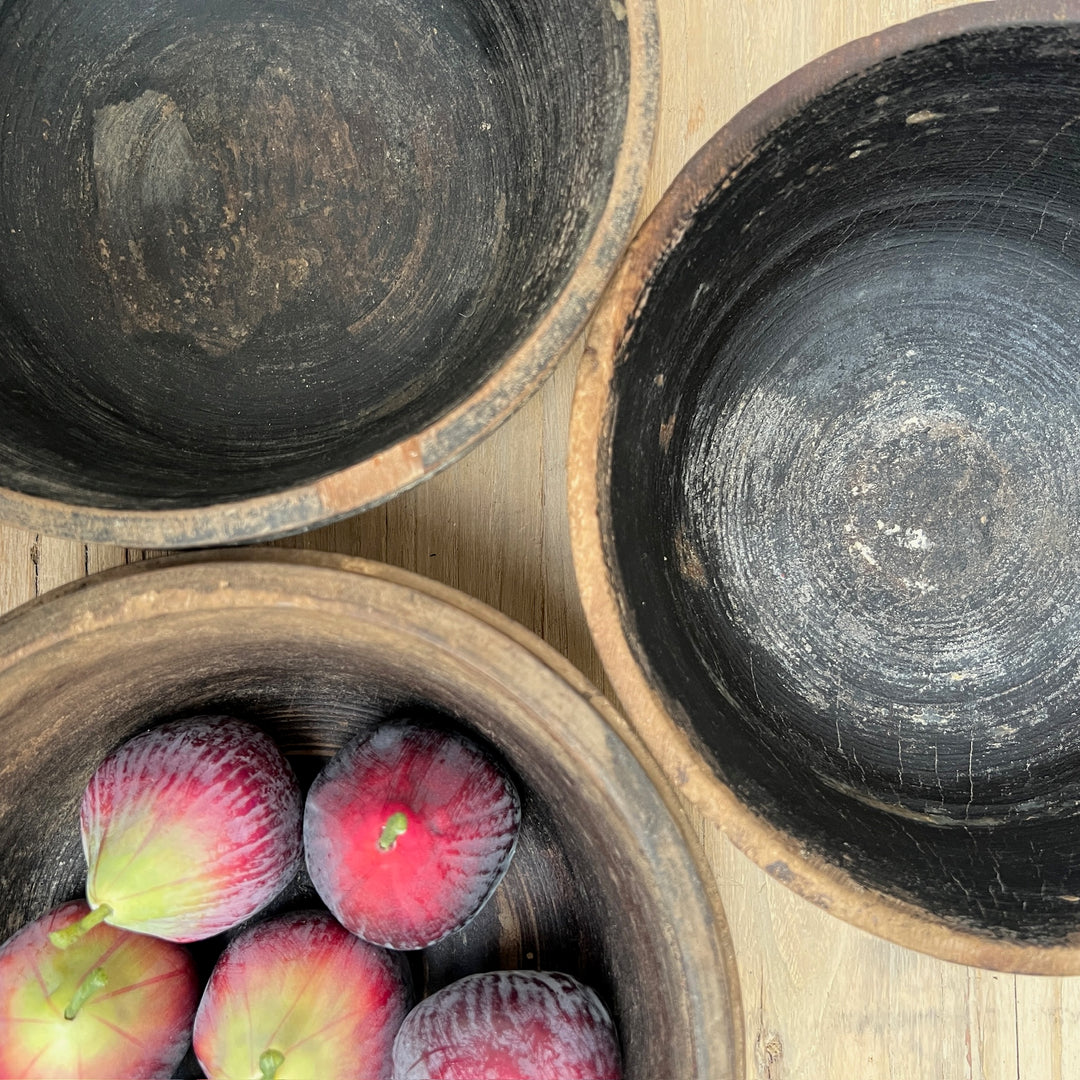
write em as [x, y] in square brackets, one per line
[826, 483]
[606, 883]
[266, 264]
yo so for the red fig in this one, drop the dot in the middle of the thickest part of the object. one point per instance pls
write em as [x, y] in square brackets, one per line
[114, 1004]
[407, 832]
[299, 996]
[190, 828]
[509, 1025]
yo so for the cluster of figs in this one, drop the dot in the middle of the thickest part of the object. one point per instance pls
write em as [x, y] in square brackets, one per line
[191, 828]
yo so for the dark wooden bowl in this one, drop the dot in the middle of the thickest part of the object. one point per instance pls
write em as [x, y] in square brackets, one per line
[266, 264]
[826, 483]
[606, 884]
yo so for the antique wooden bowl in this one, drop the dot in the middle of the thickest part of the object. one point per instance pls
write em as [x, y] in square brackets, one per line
[606, 883]
[265, 264]
[825, 483]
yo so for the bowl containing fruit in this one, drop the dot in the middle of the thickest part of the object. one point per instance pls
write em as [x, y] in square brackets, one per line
[267, 264]
[276, 815]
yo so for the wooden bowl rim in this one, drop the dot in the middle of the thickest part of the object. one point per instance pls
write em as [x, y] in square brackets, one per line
[412, 459]
[777, 853]
[325, 582]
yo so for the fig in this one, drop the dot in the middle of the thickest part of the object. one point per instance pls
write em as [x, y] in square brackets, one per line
[299, 996]
[189, 829]
[407, 831]
[113, 1004]
[509, 1025]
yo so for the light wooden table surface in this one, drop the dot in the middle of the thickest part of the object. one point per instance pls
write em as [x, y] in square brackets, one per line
[822, 1001]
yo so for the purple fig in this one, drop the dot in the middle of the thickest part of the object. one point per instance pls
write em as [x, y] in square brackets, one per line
[407, 831]
[509, 1025]
[189, 828]
[113, 1004]
[299, 996]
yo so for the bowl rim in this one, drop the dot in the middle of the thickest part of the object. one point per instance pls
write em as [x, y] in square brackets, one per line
[777, 853]
[407, 462]
[501, 652]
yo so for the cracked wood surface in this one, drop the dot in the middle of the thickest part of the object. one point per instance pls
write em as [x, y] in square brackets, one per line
[822, 1001]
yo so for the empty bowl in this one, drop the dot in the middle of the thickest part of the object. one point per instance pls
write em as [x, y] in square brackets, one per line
[606, 883]
[267, 264]
[826, 483]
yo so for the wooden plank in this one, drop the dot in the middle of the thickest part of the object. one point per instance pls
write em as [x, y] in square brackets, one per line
[18, 567]
[821, 999]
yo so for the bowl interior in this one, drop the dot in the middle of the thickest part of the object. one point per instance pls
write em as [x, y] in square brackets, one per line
[247, 245]
[601, 885]
[848, 554]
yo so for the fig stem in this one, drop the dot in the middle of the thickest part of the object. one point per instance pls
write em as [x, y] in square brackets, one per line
[396, 824]
[96, 980]
[269, 1063]
[66, 937]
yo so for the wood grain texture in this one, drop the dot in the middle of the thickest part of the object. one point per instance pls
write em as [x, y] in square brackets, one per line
[823, 1001]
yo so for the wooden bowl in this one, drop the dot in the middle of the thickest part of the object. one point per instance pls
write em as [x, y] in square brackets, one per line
[267, 264]
[825, 483]
[606, 883]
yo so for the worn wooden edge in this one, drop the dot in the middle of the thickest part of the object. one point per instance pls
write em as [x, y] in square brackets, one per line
[411, 460]
[822, 883]
[226, 578]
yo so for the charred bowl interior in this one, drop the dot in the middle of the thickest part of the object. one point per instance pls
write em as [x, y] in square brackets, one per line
[826, 481]
[265, 264]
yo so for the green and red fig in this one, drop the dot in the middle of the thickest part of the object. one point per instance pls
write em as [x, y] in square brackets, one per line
[113, 1004]
[407, 831]
[299, 996]
[189, 829]
[509, 1025]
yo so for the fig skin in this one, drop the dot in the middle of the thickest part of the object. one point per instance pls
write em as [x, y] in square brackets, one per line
[407, 832]
[137, 1024]
[191, 828]
[301, 992]
[509, 1025]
